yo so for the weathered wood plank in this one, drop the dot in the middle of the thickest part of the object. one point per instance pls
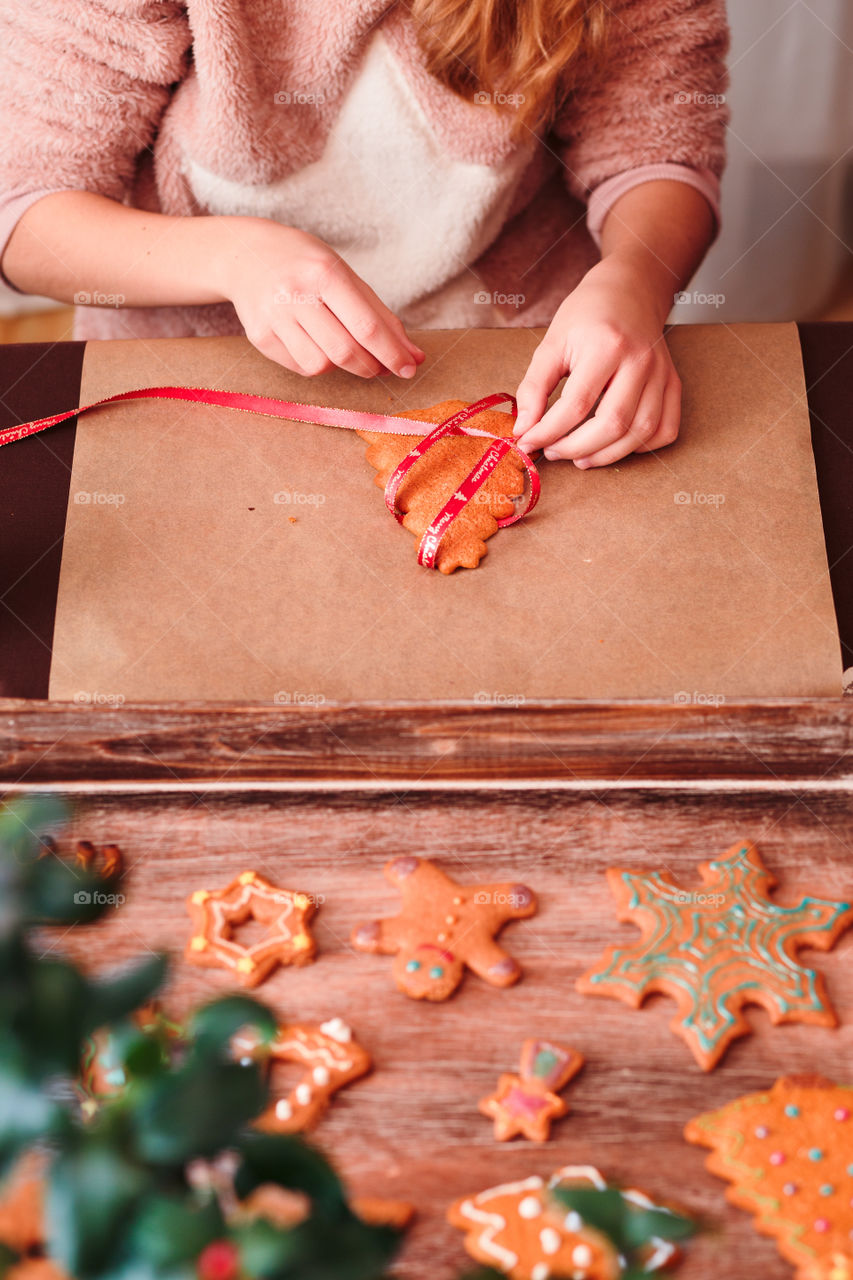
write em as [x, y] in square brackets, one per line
[411, 1129]
[769, 743]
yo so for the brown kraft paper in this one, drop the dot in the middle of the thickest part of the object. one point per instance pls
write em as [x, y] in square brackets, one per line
[213, 555]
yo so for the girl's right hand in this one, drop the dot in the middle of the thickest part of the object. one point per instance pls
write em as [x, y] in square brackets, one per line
[301, 305]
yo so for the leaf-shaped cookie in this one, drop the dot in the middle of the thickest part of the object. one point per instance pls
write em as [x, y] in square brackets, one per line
[436, 476]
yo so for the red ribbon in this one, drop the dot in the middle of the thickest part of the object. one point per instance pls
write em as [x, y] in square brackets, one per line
[354, 420]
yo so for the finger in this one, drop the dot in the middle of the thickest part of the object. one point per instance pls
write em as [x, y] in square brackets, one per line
[670, 418]
[369, 326]
[340, 346]
[310, 360]
[613, 417]
[582, 388]
[643, 429]
[394, 321]
[547, 366]
[271, 346]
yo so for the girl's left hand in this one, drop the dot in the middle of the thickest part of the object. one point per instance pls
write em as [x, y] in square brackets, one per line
[608, 337]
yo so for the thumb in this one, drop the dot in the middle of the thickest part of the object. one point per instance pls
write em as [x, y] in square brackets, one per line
[545, 370]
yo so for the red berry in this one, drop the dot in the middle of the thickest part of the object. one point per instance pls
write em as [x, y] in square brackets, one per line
[219, 1261]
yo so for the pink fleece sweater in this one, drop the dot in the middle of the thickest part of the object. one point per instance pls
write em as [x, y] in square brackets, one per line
[322, 116]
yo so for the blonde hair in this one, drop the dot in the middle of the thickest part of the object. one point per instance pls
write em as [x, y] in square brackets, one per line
[517, 54]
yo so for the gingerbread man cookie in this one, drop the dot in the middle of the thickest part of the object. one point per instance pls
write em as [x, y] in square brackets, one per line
[716, 950]
[521, 1231]
[216, 913]
[789, 1154]
[444, 927]
[332, 1058]
[527, 1103]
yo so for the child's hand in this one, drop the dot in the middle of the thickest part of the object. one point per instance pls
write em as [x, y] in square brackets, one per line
[608, 337]
[302, 306]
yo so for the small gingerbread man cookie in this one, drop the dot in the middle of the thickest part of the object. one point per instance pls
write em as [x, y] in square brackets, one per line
[527, 1103]
[332, 1058]
[444, 927]
[216, 913]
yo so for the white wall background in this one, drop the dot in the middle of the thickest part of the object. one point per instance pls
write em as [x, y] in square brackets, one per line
[788, 190]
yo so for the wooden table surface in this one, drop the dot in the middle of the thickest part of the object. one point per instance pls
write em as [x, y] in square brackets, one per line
[651, 796]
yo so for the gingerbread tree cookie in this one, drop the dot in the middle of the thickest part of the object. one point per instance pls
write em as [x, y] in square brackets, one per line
[440, 470]
[216, 913]
[527, 1103]
[789, 1155]
[520, 1230]
[444, 927]
[719, 949]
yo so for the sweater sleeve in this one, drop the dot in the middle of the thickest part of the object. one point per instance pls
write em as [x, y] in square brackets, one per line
[657, 100]
[84, 85]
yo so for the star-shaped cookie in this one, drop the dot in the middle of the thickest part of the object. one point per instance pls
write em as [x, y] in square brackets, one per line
[444, 927]
[717, 949]
[216, 913]
[527, 1103]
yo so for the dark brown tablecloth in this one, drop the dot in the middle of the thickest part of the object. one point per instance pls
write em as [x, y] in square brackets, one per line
[38, 379]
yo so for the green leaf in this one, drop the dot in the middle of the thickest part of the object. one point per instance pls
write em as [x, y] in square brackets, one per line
[214, 1024]
[27, 1114]
[288, 1161]
[62, 893]
[169, 1231]
[265, 1250]
[8, 1258]
[91, 1191]
[603, 1210]
[25, 820]
[108, 1001]
[52, 1020]
[196, 1110]
[352, 1250]
[644, 1224]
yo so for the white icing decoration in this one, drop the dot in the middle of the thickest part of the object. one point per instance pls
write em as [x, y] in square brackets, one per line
[529, 1207]
[337, 1029]
[321, 1075]
[540, 1271]
[302, 1094]
[573, 1222]
[550, 1240]
[492, 1224]
[283, 1109]
[581, 1255]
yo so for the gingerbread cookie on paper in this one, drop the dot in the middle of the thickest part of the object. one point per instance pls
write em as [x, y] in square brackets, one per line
[788, 1153]
[437, 474]
[443, 928]
[521, 1231]
[717, 949]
